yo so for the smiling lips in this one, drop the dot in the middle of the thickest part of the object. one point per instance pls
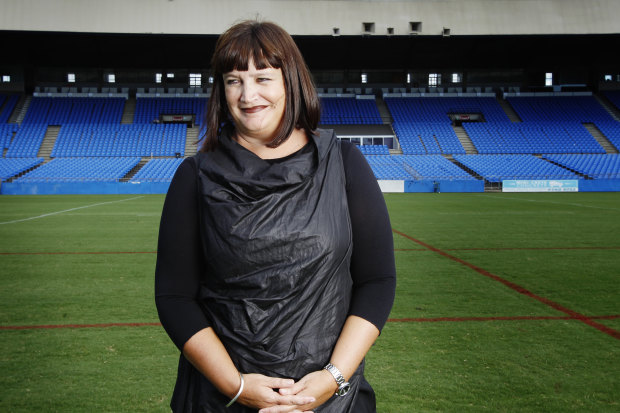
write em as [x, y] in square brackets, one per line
[253, 109]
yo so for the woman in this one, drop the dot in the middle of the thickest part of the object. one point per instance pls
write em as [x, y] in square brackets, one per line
[275, 268]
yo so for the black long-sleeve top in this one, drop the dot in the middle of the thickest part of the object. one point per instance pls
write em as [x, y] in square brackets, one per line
[180, 264]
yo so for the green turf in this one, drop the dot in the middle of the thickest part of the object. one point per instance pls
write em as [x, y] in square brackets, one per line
[90, 259]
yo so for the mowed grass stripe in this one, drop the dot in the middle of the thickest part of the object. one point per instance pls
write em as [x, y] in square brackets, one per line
[521, 290]
[390, 320]
[15, 221]
[456, 341]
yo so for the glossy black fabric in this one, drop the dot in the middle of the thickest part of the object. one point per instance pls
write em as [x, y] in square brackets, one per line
[277, 241]
[180, 268]
[181, 271]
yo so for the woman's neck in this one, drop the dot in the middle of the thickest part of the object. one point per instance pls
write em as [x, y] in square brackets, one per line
[295, 142]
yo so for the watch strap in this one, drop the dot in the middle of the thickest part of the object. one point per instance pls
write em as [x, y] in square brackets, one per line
[343, 385]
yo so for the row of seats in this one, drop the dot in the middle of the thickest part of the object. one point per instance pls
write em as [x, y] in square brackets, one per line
[10, 167]
[545, 130]
[532, 137]
[6, 134]
[374, 149]
[584, 109]
[415, 167]
[63, 110]
[419, 138]
[81, 170]
[594, 166]
[495, 168]
[158, 170]
[349, 110]
[150, 109]
[7, 104]
[611, 130]
[27, 141]
[120, 140]
[437, 109]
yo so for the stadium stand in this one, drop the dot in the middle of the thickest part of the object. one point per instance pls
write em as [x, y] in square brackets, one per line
[437, 109]
[150, 108]
[386, 167]
[495, 168]
[349, 110]
[611, 130]
[374, 149]
[594, 166]
[63, 110]
[108, 169]
[532, 137]
[120, 140]
[559, 109]
[6, 134]
[7, 103]
[27, 141]
[420, 138]
[432, 167]
[158, 170]
[94, 145]
[10, 167]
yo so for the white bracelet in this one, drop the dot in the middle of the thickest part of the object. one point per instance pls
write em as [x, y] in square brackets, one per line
[234, 399]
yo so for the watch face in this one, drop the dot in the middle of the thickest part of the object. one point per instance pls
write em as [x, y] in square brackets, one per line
[343, 389]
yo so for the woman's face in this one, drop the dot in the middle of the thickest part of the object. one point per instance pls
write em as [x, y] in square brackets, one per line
[256, 100]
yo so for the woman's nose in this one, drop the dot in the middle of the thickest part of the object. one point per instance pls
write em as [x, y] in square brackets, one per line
[248, 92]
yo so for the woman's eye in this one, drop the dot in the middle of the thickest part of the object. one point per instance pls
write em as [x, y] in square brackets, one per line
[231, 81]
[263, 79]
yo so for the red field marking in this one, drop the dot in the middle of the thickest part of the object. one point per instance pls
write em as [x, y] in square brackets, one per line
[103, 325]
[390, 320]
[514, 249]
[507, 318]
[572, 314]
[395, 249]
[79, 253]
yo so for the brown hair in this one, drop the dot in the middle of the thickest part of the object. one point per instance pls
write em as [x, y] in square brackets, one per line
[267, 45]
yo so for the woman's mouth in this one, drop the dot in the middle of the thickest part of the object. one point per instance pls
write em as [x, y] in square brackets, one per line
[253, 109]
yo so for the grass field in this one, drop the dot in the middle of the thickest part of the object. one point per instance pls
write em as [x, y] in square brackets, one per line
[505, 303]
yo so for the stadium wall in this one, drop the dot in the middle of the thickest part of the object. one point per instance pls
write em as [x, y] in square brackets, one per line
[121, 188]
[86, 188]
[319, 17]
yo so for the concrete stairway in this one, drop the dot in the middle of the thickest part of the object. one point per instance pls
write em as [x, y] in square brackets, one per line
[129, 111]
[190, 143]
[508, 109]
[135, 170]
[600, 138]
[609, 107]
[384, 112]
[48, 142]
[20, 109]
[468, 145]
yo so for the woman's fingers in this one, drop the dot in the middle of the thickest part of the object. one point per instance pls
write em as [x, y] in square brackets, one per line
[261, 392]
[283, 409]
[293, 389]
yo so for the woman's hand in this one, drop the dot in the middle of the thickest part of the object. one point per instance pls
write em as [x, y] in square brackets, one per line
[320, 385]
[261, 392]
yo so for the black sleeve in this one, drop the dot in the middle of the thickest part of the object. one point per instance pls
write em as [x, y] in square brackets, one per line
[180, 264]
[372, 263]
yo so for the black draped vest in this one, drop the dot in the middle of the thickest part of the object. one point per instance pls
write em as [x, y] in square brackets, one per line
[277, 246]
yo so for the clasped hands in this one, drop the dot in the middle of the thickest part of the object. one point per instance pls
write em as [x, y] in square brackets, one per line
[276, 395]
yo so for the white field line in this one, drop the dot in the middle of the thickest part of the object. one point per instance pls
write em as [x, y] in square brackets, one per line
[68, 210]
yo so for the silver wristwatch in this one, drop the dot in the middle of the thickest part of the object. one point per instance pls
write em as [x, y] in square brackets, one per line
[343, 385]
